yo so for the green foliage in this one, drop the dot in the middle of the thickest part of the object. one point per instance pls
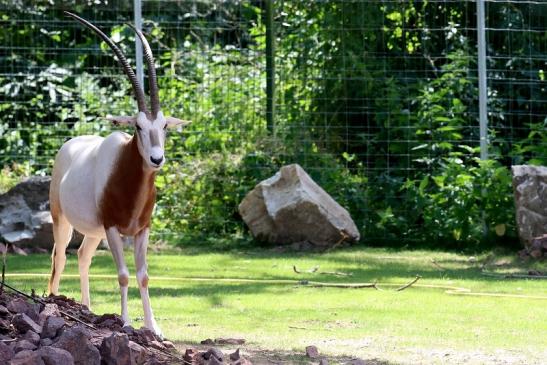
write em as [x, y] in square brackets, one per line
[462, 203]
[11, 175]
[533, 148]
[376, 100]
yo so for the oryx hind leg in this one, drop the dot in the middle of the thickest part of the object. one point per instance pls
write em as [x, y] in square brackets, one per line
[62, 233]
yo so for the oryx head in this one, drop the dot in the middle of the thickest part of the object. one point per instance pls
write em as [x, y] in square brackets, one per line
[150, 126]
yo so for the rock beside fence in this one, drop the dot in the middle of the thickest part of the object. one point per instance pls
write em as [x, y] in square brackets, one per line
[530, 190]
[25, 219]
[290, 207]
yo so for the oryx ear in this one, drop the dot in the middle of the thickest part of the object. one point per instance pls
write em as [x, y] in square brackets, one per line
[175, 122]
[122, 120]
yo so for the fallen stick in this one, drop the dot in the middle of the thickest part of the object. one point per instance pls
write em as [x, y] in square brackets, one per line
[418, 277]
[337, 285]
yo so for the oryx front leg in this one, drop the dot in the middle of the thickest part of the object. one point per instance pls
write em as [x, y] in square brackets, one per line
[141, 244]
[85, 254]
[116, 247]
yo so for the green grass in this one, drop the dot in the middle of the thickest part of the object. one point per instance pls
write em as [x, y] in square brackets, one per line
[417, 325]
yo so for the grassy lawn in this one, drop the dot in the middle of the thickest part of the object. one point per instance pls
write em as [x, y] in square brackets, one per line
[422, 324]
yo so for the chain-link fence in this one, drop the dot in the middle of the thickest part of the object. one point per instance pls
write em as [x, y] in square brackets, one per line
[377, 100]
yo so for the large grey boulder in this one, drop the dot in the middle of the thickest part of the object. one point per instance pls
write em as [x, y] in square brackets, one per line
[290, 207]
[25, 220]
[530, 190]
[24, 213]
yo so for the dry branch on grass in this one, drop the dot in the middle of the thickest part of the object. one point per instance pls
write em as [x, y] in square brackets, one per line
[374, 285]
[418, 277]
[314, 284]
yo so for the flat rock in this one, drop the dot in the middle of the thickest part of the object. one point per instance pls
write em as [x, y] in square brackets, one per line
[290, 207]
[46, 342]
[6, 353]
[76, 341]
[189, 355]
[52, 327]
[27, 357]
[115, 350]
[24, 323]
[20, 305]
[235, 355]
[312, 352]
[55, 356]
[50, 309]
[138, 353]
[32, 337]
[23, 345]
[3, 310]
[213, 352]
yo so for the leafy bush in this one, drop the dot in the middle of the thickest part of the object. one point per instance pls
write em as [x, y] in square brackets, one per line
[463, 204]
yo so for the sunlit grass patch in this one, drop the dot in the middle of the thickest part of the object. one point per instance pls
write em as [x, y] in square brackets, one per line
[257, 295]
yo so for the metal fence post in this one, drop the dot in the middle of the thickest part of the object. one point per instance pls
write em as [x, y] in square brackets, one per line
[270, 66]
[483, 106]
[137, 11]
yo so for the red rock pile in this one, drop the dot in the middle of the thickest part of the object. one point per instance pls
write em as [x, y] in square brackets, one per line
[37, 333]
[44, 334]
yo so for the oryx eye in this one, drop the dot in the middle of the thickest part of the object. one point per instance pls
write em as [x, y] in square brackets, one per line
[165, 126]
[138, 127]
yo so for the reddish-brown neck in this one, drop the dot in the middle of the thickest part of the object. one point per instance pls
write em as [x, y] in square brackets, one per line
[130, 194]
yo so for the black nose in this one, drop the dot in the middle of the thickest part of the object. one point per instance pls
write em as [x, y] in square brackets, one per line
[156, 161]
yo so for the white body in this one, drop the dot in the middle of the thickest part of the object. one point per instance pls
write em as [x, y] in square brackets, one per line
[81, 173]
[85, 163]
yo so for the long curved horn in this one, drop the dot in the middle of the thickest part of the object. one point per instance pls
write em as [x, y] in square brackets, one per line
[137, 89]
[152, 79]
